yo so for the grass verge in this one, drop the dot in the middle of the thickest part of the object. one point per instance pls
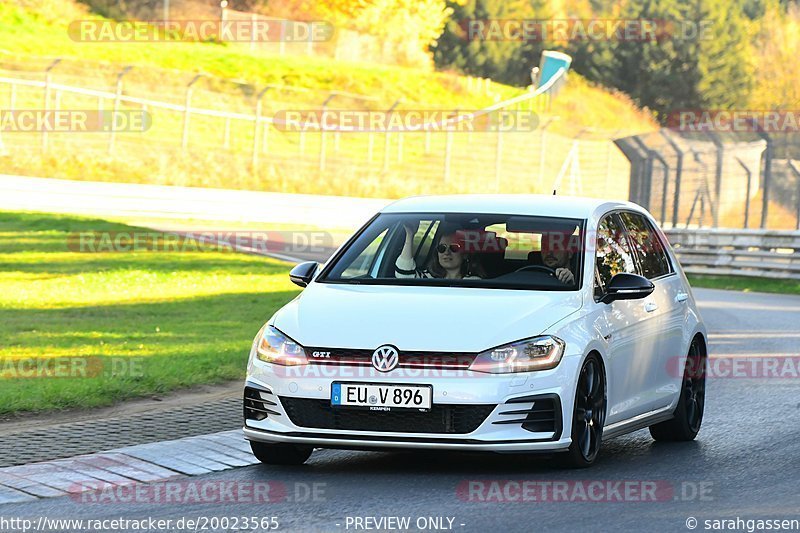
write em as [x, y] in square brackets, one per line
[745, 284]
[146, 322]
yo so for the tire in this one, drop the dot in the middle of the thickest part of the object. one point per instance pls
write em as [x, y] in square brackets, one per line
[588, 416]
[688, 414]
[280, 454]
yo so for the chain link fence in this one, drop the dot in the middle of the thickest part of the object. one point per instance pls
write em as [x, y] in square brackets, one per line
[711, 179]
[217, 133]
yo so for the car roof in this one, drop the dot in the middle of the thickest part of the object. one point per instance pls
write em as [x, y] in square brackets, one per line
[510, 204]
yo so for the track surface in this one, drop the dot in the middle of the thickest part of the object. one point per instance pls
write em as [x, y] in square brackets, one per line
[743, 464]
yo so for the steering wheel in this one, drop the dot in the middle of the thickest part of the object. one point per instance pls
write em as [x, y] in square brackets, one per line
[540, 268]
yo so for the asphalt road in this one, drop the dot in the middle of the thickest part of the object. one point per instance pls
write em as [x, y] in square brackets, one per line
[743, 464]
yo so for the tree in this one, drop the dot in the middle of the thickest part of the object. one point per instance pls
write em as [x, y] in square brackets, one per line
[502, 60]
[405, 29]
[700, 62]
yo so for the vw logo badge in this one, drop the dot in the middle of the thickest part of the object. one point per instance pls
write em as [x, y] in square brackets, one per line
[385, 358]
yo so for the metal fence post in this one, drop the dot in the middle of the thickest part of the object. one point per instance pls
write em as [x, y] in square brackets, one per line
[796, 172]
[644, 189]
[678, 176]
[257, 129]
[322, 133]
[187, 102]
[117, 96]
[498, 157]
[702, 189]
[717, 178]
[386, 138]
[747, 197]
[767, 181]
[768, 154]
[664, 188]
[448, 149]
[47, 98]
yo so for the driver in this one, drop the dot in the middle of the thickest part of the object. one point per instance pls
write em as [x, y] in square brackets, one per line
[557, 251]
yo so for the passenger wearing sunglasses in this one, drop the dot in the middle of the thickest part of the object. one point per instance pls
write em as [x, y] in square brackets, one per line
[450, 260]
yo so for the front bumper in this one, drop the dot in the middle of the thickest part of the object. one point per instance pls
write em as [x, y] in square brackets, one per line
[513, 415]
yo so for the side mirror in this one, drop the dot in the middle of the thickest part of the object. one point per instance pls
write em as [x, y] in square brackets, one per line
[625, 286]
[303, 273]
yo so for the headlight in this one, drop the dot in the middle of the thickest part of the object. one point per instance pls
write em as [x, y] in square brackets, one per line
[537, 353]
[272, 346]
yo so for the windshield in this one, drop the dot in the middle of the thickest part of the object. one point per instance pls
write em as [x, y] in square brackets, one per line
[476, 250]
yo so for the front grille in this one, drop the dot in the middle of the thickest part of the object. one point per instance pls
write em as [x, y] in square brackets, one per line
[543, 416]
[319, 414]
[257, 405]
[406, 359]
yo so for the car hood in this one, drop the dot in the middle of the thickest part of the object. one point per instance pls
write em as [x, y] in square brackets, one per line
[449, 319]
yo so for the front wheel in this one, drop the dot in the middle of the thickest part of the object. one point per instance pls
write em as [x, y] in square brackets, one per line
[688, 413]
[280, 454]
[588, 416]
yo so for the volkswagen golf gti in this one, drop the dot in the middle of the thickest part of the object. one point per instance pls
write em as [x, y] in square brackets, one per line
[502, 323]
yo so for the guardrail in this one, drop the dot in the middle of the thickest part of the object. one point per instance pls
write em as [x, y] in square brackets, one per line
[753, 253]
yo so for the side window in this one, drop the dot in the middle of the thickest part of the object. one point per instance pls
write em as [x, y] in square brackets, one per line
[613, 252]
[649, 248]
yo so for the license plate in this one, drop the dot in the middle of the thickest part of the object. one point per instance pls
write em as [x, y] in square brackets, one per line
[381, 397]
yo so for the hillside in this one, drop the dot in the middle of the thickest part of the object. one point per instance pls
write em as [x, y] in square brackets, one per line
[34, 33]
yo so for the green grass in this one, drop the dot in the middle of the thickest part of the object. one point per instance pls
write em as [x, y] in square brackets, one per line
[745, 284]
[181, 319]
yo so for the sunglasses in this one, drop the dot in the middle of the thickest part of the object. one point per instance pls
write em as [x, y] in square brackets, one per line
[454, 248]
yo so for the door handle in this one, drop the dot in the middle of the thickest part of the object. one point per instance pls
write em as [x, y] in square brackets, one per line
[682, 297]
[650, 307]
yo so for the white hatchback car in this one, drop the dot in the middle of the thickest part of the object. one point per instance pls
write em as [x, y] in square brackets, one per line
[482, 322]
